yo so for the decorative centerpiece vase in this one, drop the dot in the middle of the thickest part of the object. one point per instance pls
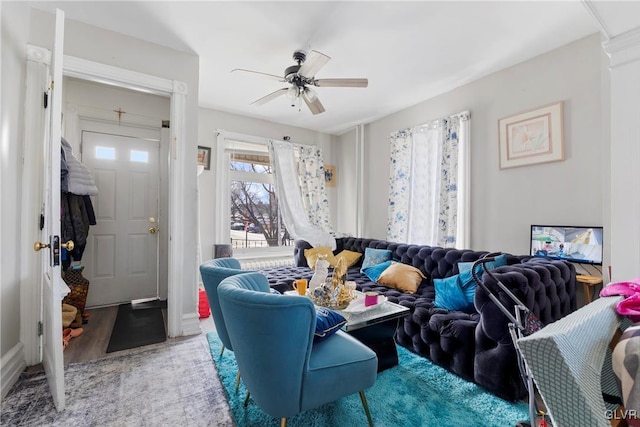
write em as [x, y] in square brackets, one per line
[320, 274]
[334, 292]
[340, 292]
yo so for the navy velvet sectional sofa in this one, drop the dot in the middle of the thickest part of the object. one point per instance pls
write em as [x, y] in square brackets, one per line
[476, 346]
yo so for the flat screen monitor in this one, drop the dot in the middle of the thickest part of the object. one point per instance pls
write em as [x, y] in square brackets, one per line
[571, 243]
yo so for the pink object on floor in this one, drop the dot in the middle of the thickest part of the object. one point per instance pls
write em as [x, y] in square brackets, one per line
[626, 289]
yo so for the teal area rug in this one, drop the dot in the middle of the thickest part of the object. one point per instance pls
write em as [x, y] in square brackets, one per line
[414, 393]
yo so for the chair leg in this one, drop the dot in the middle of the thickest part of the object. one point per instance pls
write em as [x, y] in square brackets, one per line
[238, 380]
[246, 399]
[366, 408]
[222, 351]
[283, 422]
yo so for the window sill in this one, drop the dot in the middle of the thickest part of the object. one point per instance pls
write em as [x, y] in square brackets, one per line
[263, 252]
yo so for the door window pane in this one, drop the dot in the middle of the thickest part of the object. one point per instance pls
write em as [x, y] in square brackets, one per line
[139, 156]
[106, 153]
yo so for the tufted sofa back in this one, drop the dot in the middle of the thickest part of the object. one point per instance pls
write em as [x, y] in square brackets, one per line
[433, 261]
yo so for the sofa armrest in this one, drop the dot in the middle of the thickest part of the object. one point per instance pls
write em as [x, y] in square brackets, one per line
[546, 288]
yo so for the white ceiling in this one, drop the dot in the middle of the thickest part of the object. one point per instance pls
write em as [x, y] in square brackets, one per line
[409, 51]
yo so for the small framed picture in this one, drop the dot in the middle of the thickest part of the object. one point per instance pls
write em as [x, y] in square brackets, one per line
[531, 137]
[330, 176]
[204, 157]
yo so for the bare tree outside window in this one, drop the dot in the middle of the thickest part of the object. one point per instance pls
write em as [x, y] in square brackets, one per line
[254, 205]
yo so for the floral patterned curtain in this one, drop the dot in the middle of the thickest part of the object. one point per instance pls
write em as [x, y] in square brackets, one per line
[290, 200]
[424, 180]
[312, 184]
[400, 185]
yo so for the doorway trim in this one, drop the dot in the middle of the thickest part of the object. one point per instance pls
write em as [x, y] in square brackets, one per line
[177, 323]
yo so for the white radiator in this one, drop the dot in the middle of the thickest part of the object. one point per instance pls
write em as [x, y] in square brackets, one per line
[262, 263]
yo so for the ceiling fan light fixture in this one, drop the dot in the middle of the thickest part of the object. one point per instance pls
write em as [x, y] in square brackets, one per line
[294, 96]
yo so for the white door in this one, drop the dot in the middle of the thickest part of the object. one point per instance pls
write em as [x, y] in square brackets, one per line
[53, 289]
[121, 257]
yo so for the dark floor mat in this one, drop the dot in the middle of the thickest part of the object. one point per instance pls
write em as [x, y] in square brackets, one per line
[136, 328]
[156, 303]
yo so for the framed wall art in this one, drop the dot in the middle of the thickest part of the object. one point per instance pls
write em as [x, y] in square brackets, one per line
[330, 176]
[204, 157]
[532, 137]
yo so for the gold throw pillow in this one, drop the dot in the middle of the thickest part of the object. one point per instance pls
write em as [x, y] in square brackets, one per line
[402, 277]
[312, 256]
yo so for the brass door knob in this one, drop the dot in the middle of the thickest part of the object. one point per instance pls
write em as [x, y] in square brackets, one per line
[39, 245]
[69, 245]
[152, 230]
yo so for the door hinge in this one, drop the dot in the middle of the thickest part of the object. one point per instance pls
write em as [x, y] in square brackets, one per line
[40, 329]
[45, 100]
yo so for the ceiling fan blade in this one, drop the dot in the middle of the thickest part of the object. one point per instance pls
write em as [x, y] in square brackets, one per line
[271, 96]
[312, 101]
[341, 82]
[315, 60]
[271, 76]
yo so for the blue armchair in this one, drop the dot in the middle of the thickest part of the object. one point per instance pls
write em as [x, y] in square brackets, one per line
[283, 369]
[213, 272]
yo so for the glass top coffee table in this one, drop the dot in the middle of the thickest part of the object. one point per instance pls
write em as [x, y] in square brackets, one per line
[381, 313]
[376, 328]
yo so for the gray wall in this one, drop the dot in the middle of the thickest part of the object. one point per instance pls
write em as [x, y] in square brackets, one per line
[346, 185]
[212, 120]
[505, 202]
[15, 28]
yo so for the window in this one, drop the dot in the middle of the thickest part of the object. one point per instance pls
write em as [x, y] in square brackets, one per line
[253, 218]
[105, 153]
[429, 184]
[139, 156]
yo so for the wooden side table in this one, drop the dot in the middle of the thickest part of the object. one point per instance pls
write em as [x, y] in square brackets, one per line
[588, 282]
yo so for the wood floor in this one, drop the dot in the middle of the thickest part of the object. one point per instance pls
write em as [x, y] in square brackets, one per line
[92, 343]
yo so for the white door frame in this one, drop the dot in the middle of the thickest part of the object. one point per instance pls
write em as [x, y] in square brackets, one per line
[102, 73]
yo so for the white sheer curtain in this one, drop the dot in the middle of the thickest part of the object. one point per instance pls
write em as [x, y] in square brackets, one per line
[294, 214]
[429, 180]
[426, 185]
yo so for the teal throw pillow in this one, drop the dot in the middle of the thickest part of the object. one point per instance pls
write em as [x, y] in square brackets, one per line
[492, 265]
[455, 293]
[328, 322]
[375, 271]
[374, 256]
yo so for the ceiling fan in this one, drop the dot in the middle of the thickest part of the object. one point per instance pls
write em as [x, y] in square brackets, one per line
[301, 77]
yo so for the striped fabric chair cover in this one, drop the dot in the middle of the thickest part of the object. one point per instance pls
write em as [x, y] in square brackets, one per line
[567, 361]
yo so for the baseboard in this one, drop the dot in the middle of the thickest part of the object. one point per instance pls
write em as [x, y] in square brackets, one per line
[12, 365]
[191, 324]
